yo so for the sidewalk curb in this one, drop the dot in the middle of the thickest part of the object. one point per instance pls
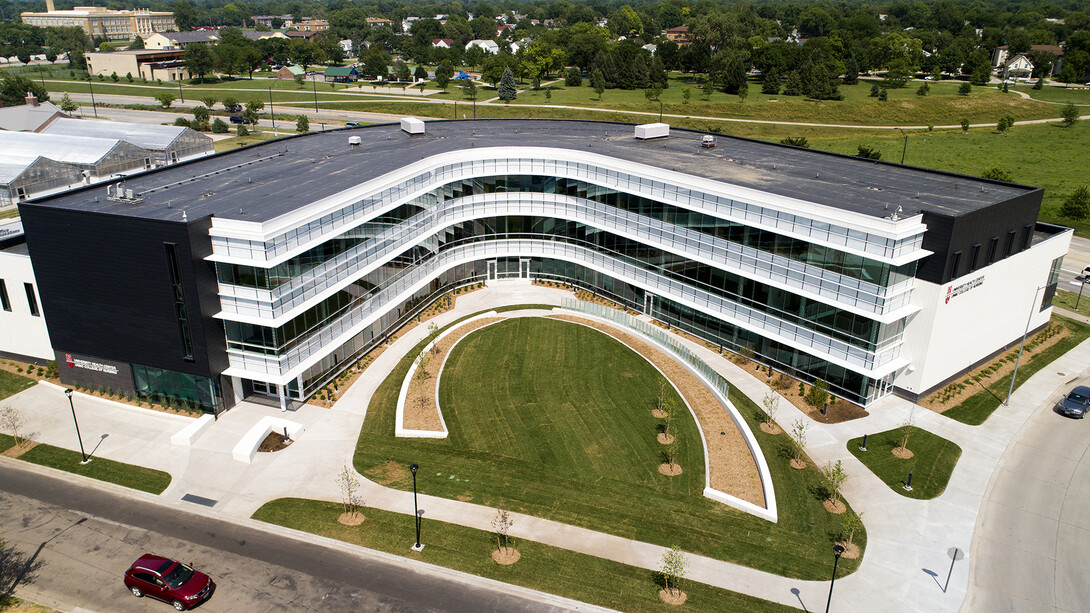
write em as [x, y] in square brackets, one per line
[439, 572]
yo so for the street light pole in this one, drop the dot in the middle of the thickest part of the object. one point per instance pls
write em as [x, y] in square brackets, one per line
[905, 148]
[1018, 361]
[68, 392]
[416, 509]
[272, 113]
[660, 111]
[180, 94]
[1085, 280]
[92, 88]
[837, 551]
[314, 86]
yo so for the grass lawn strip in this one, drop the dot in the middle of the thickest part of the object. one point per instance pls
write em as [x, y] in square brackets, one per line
[978, 407]
[732, 469]
[421, 412]
[796, 546]
[932, 462]
[541, 567]
[127, 475]
[11, 383]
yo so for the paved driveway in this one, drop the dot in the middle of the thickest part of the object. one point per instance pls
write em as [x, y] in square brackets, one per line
[1030, 546]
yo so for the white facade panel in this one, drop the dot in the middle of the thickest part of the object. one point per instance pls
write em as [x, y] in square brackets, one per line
[20, 332]
[967, 319]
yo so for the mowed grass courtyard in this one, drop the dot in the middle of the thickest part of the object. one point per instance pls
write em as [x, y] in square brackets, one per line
[553, 419]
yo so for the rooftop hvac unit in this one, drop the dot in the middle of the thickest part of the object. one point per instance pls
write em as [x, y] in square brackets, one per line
[652, 130]
[412, 125]
[354, 141]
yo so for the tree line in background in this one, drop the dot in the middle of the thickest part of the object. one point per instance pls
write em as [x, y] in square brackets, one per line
[803, 48]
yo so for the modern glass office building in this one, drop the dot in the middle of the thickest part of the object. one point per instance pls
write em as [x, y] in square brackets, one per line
[269, 269]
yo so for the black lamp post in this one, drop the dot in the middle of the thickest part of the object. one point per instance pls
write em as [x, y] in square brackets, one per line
[837, 551]
[314, 86]
[905, 148]
[68, 392]
[180, 93]
[416, 509]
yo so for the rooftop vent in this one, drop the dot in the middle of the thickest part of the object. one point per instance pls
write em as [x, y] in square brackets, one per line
[354, 141]
[412, 125]
[652, 130]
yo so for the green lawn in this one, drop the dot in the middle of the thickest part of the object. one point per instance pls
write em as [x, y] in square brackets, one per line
[11, 383]
[931, 466]
[6, 442]
[238, 141]
[1067, 300]
[942, 107]
[1078, 95]
[541, 567]
[128, 475]
[976, 409]
[576, 445]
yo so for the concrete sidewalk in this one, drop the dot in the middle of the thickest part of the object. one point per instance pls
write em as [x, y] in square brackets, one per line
[906, 558]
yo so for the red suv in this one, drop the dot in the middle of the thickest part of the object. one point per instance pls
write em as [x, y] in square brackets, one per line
[169, 581]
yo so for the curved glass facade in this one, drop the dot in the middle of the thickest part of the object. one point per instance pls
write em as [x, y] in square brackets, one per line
[665, 258]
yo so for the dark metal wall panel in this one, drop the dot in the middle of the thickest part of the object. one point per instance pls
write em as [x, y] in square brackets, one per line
[949, 234]
[105, 283]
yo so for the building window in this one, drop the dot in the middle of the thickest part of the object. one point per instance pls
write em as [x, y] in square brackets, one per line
[955, 264]
[993, 246]
[147, 162]
[974, 257]
[31, 300]
[4, 302]
[20, 193]
[179, 300]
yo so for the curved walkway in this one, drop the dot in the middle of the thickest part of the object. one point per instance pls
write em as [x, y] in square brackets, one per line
[906, 557]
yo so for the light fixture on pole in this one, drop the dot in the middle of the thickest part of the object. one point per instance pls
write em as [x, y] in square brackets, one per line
[416, 509]
[314, 86]
[905, 148]
[180, 94]
[68, 392]
[838, 550]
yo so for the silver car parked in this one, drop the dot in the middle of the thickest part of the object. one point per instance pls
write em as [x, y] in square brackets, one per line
[1075, 403]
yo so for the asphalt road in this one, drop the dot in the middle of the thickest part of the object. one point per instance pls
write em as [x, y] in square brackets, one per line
[1030, 544]
[84, 538]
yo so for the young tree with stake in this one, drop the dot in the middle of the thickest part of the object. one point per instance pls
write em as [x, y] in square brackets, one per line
[798, 438]
[501, 524]
[674, 565]
[834, 478]
[349, 486]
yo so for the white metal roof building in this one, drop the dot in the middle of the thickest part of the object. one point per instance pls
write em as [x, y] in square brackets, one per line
[29, 117]
[102, 157]
[169, 144]
[26, 176]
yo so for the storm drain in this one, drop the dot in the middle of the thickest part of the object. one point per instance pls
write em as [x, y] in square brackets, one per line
[201, 500]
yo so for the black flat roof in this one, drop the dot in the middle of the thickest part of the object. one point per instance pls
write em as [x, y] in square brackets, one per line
[264, 181]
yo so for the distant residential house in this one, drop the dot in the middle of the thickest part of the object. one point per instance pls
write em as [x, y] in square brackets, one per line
[346, 46]
[341, 74]
[299, 34]
[679, 35]
[407, 24]
[442, 43]
[1001, 55]
[505, 28]
[651, 47]
[33, 116]
[488, 46]
[379, 21]
[267, 20]
[290, 72]
[312, 25]
[1017, 67]
[178, 40]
